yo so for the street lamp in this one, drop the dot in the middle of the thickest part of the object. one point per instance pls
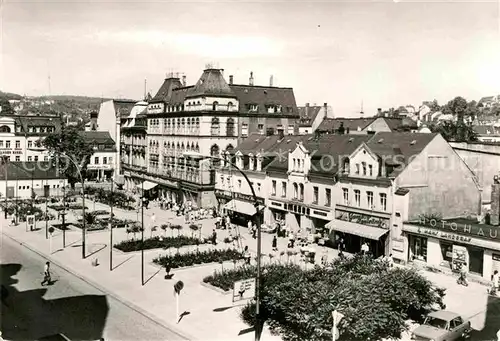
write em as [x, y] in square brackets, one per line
[142, 231]
[5, 161]
[258, 280]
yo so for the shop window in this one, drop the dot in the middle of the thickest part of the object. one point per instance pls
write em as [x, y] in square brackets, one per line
[273, 188]
[418, 248]
[295, 190]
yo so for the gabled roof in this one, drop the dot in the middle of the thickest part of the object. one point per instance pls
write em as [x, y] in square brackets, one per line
[333, 124]
[399, 148]
[486, 99]
[211, 83]
[265, 95]
[165, 91]
[309, 113]
[38, 121]
[178, 95]
[98, 137]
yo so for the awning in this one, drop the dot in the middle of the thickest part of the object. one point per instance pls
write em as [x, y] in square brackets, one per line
[244, 207]
[147, 185]
[364, 231]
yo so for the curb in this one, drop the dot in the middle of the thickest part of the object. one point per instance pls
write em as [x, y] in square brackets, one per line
[129, 304]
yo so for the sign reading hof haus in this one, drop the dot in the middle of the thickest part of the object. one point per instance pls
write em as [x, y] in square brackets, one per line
[447, 229]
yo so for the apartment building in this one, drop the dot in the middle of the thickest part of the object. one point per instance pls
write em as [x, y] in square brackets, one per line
[207, 118]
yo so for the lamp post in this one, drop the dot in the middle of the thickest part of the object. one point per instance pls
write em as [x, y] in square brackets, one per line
[5, 164]
[258, 279]
[46, 214]
[142, 231]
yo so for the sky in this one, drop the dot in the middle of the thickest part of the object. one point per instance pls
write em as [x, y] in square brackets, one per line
[375, 54]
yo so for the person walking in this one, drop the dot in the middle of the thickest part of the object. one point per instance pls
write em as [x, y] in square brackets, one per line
[365, 249]
[46, 274]
[246, 255]
[494, 283]
[275, 243]
[214, 237]
[291, 240]
[463, 275]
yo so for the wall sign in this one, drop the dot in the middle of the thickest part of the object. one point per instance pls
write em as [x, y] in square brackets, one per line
[474, 230]
[398, 245]
[496, 256]
[363, 219]
[320, 213]
[444, 235]
[237, 195]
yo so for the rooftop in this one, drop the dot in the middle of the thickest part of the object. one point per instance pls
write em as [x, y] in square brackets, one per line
[98, 137]
[31, 170]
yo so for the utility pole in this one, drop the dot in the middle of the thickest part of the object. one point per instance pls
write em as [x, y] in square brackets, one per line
[142, 231]
[111, 230]
[5, 164]
[83, 229]
[46, 211]
[64, 215]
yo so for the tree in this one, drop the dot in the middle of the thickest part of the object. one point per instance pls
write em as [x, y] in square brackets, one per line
[71, 143]
[6, 108]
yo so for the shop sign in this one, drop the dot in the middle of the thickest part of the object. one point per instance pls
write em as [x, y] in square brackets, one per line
[363, 219]
[475, 230]
[107, 166]
[237, 195]
[277, 204]
[9, 151]
[496, 256]
[126, 173]
[320, 213]
[444, 235]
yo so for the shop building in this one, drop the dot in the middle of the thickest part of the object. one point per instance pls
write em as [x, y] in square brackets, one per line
[101, 164]
[448, 243]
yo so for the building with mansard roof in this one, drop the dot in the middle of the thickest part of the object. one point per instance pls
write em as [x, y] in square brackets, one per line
[209, 117]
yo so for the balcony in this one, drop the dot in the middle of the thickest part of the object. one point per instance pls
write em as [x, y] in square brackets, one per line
[195, 176]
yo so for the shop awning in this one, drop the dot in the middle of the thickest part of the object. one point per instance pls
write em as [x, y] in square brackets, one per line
[147, 185]
[244, 207]
[364, 231]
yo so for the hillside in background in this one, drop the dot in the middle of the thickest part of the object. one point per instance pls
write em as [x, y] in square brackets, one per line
[8, 95]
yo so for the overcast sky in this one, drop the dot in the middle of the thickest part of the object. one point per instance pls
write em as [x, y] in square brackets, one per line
[381, 53]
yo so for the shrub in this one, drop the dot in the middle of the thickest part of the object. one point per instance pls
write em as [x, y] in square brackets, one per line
[156, 243]
[300, 307]
[188, 259]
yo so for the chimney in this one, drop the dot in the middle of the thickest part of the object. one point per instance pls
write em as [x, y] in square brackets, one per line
[183, 80]
[495, 201]
[230, 79]
[325, 105]
[379, 111]
[250, 81]
[271, 80]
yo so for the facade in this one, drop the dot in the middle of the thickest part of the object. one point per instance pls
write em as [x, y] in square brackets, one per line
[24, 178]
[207, 119]
[361, 188]
[312, 116]
[21, 136]
[102, 161]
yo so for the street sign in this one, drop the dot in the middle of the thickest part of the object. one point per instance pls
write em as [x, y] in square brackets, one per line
[178, 287]
[244, 289]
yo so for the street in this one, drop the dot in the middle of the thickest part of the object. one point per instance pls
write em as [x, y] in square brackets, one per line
[69, 305]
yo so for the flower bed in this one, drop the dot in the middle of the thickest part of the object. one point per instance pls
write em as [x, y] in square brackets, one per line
[62, 226]
[192, 258]
[68, 207]
[225, 280]
[91, 227]
[156, 243]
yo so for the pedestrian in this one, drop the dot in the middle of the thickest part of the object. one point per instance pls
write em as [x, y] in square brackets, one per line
[254, 232]
[494, 283]
[246, 255]
[324, 258]
[390, 260]
[463, 275]
[214, 237]
[275, 243]
[364, 248]
[291, 239]
[46, 274]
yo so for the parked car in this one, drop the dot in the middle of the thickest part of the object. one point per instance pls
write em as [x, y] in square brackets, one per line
[442, 325]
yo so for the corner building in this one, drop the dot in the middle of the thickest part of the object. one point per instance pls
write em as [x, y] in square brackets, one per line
[208, 118]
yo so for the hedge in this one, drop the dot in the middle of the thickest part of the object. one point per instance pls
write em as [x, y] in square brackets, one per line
[156, 243]
[192, 258]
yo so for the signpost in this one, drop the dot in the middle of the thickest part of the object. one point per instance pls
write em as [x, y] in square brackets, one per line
[177, 291]
[336, 319]
[51, 230]
[244, 290]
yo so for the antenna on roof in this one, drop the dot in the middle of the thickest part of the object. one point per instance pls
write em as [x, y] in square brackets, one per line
[361, 112]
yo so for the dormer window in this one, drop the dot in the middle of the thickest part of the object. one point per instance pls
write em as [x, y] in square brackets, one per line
[214, 105]
[229, 106]
[357, 168]
[251, 162]
[364, 167]
[345, 165]
[253, 107]
[259, 163]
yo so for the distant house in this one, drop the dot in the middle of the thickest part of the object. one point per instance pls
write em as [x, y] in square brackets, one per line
[487, 133]
[369, 125]
[488, 101]
[312, 116]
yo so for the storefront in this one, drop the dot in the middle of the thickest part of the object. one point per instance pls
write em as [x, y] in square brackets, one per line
[240, 207]
[358, 228]
[450, 244]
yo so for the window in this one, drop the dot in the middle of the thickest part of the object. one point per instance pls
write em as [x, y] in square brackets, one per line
[18, 144]
[328, 197]
[294, 164]
[215, 128]
[254, 107]
[295, 190]
[364, 167]
[345, 193]
[315, 195]
[1, 143]
[214, 105]
[456, 322]
[239, 184]
[291, 130]
[357, 168]
[30, 158]
[418, 248]
[258, 187]
[104, 160]
[357, 197]
[36, 158]
[244, 130]
[369, 199]
[96, 160]
[301, 191]
[30, 144]
[260, 128]
[230, 127]
[370, 170]
[273, 188]
[383, 201]
[7, 144]
[18, 158]
[283, 189]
